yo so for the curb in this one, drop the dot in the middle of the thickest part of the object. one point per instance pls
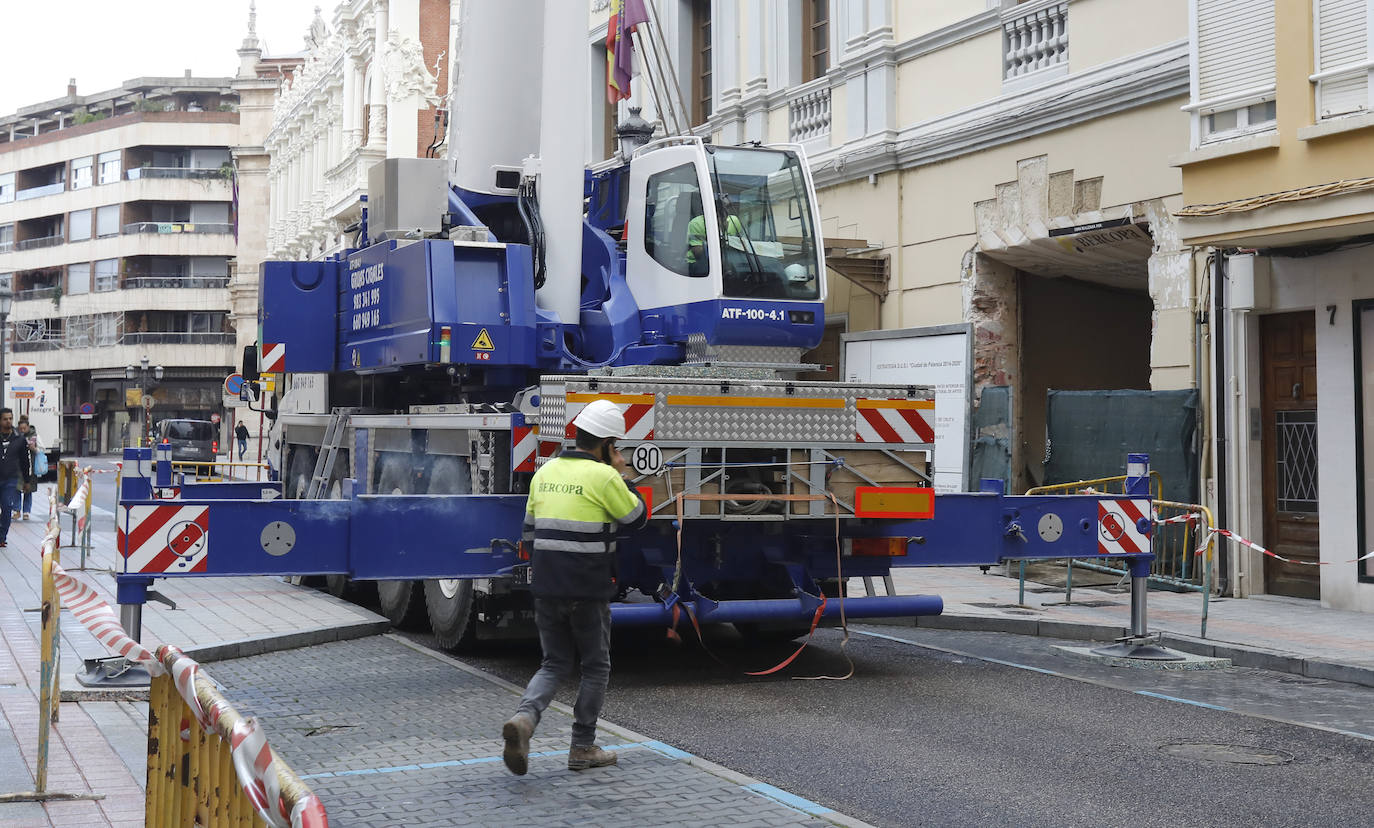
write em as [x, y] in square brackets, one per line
[239, 649]
[1241, 655]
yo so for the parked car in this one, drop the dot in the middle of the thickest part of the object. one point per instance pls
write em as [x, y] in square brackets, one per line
[192, 441]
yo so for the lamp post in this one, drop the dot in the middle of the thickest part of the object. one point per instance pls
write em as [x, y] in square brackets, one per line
[633, 133]
[140, 372]
[6, 302]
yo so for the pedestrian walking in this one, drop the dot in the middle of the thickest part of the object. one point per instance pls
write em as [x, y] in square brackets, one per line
[26, 490]
[16, 469]
[577, 502]
[241, 432]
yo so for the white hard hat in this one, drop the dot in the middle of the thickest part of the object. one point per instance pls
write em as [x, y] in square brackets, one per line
[601, 418]
[797, 273]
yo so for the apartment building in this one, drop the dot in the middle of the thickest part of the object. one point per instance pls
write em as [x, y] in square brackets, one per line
[995, 165]
[1279, 191]
[117, 234]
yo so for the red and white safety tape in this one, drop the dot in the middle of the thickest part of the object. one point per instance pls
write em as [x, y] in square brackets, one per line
[1197, 517]
[252, 756]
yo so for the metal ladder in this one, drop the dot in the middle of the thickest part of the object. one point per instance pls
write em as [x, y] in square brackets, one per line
[329, 452]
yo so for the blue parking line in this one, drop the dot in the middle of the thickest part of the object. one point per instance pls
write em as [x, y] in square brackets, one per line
[791, 800]
[1182, 701]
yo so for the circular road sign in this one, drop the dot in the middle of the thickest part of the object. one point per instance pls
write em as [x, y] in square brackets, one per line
[232, 384]
[86, 408]
[148, 402]
[214, 418]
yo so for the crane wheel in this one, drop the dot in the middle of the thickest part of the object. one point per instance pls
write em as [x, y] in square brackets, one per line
[449, 602]
[402, 602]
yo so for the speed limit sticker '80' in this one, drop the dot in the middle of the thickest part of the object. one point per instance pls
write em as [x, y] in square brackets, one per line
[646, 459]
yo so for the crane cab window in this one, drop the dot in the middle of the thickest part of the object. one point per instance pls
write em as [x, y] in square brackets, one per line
[672, 203]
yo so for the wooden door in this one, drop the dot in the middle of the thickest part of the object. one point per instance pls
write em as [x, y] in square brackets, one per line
[1288, 344]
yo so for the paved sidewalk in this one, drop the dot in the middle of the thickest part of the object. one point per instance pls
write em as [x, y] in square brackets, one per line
[99, 744]
[1275, 633]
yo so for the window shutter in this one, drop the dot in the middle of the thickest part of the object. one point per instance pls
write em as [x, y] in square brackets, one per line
[1235, 46]
[1342, 40]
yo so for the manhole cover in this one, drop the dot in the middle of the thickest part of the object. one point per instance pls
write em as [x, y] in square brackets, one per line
[1228, 754]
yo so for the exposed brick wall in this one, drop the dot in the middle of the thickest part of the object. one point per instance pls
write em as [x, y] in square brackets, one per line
[434, 29]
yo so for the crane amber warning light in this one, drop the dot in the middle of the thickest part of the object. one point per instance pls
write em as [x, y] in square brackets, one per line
[910, 502]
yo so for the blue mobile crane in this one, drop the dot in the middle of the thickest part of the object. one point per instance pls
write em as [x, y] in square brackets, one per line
[422, 375]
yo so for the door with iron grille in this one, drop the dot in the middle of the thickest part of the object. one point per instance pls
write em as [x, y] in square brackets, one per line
[1288, 343]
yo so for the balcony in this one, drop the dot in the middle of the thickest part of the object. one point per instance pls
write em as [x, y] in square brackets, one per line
[177, 338]
[174, 281]
[163, 227]
[37, 345]
[1035, 38]
[138, 173]
[42, 241]
[35, 293]
[808, 112]
[38, 192]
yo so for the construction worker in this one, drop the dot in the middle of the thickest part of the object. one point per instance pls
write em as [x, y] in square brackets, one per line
[697, 257]
[577, 502]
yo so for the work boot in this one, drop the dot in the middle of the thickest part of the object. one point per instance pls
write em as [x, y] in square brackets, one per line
[517, 732]
[582, 757]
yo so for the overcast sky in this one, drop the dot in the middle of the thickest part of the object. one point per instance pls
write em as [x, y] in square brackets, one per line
[103, 43]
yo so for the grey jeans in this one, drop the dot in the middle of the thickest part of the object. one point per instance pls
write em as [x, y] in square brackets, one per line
[568, 631]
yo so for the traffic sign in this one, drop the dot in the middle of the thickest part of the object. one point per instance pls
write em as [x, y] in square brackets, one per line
[214, 418]
[86, 408]
[148, 402]
[232, 384]
[21, 380]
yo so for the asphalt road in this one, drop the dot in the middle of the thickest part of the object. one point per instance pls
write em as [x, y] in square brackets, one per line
[920, 736]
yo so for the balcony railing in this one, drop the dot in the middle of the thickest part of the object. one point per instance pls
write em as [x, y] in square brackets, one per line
[33, 244]
[178, 338]
[34, 293]
[156, 281]
[808, 114]
[172, 172]
[1035, 37]
[38, 192]
[162, 227]
[40, 345]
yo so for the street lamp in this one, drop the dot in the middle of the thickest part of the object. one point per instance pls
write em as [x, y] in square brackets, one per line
[633, 132]
[140, 372]
[6, 302]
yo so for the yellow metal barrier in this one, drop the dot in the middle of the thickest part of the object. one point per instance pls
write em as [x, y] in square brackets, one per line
[1101, 485]
[191, 776]
[218, 472]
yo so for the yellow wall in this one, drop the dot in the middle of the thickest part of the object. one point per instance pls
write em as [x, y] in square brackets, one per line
[1294, 163]
[1166, 22]
[924, 87]
[918, 17]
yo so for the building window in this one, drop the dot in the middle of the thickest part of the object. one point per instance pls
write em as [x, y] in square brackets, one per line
[7, 281]
[107, 221]
[106, 275]
[110, 167]
[1228, 123]
[1234, 57]
[1341, 69]
[78, 278]
[6, 237]
[816, 34]
[672, 201]
[701, 61]
[207, 322]
[81, 173]
[6, 187]
[79, 225]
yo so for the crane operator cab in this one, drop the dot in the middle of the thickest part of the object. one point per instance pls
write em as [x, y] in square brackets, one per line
[723, 242]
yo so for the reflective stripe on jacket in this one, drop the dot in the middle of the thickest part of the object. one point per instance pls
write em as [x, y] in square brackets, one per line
[576, 505]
